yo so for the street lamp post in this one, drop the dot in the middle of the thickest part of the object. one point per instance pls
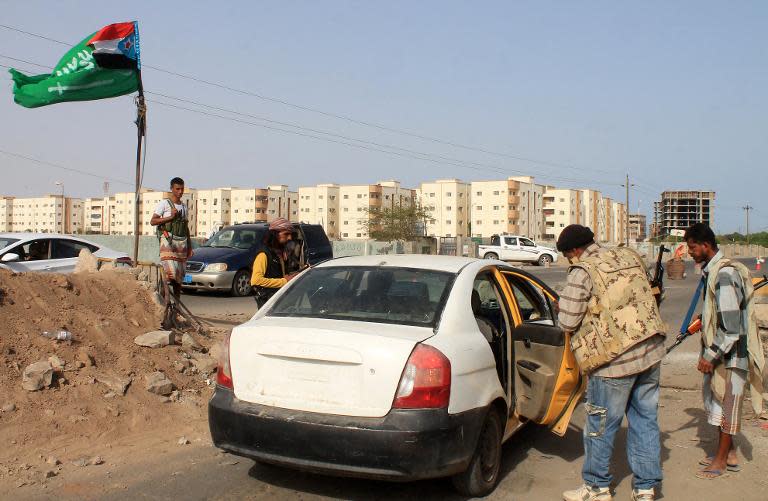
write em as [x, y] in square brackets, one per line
[60, 184]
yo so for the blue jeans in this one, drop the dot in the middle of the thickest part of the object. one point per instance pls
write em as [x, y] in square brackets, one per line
[608, 399]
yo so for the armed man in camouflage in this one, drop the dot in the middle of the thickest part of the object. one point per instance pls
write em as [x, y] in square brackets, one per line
[618, 339]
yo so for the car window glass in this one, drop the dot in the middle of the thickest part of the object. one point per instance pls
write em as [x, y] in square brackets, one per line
[36, 250]
[63, 249]
[236, 238]
[495, 240]
[368, 294]
[534, 307]
[510, 240]
[527, 243]
[315, 236]
[5, 242]
[491, 303]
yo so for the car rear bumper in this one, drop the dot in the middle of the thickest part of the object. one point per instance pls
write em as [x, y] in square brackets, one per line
[403, 445]
[221, 280]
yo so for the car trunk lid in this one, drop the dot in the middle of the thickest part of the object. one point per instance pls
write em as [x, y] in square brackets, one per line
[318, 365]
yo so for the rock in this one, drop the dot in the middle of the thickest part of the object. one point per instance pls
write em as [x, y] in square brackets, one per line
[57, 363]
[82, 462]
[96, 460]
[155, 339]
[134, 323]
[49, 412]
[117, 384]
[187, 341]
[53, 461]
[182, 366]
[85, 357]
[86, 262]
[159, 384]
[183, 441]
[175, 396]
[79, 364]
[205, 364]
[50, 474]
[9, 407]
[143, 276]
[63, 282]
[37, 376]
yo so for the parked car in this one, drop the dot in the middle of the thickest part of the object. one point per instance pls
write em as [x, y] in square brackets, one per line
[396, 367]
[516, 248]
[49, 252]
[224, 262]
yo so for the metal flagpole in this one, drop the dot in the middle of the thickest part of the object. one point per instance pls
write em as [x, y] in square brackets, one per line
[141, 128]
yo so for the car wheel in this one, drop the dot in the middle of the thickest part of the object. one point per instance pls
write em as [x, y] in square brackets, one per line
[241, 285]
[491, 255]
[482, 475]
[545, 259]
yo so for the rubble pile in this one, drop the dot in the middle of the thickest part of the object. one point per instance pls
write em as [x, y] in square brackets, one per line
[117, 375]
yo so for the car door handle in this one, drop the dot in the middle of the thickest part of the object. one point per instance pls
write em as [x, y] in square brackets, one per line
[527, 364]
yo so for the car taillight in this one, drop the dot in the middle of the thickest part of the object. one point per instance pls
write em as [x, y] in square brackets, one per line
[224, 372]
[426, 380]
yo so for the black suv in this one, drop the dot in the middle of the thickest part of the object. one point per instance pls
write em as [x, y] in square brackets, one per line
[224, 262]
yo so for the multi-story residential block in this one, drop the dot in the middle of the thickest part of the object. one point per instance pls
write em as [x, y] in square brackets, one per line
[448, 202]
[214, 210]
[619, 218]
[48, 214]
[677, 210]
[249, 205]
[510, 206]
[357, 200]
[282, 203]
[320, 205]
[562, 207]
[594, 216]
[96, 215]
[637, 228]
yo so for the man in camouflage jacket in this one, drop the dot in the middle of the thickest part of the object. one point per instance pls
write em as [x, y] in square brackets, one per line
[618, 339]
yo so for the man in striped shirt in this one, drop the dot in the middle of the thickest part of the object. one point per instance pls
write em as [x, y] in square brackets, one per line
[627, 384]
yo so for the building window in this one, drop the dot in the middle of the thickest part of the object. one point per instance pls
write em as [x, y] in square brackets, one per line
[478, 222]
[448, 222]
[448, 207]
[359, 235]
[345, 198]
[479, 207]
[495, 207]
[479, 193]
[496, 222]
[495, 192]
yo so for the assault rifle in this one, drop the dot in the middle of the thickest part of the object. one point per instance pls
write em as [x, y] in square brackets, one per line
[690, 328]
[657, 284]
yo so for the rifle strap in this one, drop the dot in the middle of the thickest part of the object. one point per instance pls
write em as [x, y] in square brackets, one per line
[692, 307]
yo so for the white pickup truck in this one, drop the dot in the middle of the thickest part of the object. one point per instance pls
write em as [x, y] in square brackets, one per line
[515, 248]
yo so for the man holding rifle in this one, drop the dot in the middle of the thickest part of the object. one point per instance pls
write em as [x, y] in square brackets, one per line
[618, 340]
[731, 353]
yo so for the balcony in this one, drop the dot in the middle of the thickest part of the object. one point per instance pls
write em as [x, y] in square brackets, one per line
[513, 200]
[513, 214]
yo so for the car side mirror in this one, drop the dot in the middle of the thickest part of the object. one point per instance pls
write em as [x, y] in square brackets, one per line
[10, 258]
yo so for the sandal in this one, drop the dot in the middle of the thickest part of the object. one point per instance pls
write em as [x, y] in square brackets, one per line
[733, 467]
[708, 474]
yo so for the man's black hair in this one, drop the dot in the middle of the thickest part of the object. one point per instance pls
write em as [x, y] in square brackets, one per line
[701, 233]
[177, 180]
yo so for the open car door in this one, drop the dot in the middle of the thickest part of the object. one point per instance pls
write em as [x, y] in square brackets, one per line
[547, 381]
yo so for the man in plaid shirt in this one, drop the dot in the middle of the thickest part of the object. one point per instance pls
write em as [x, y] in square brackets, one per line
[728, 348]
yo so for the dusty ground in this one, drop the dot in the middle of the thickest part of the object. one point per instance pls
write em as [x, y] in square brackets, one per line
[144, 460]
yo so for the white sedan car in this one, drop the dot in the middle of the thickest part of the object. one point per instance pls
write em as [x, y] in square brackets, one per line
[49, 252]
[396, 367]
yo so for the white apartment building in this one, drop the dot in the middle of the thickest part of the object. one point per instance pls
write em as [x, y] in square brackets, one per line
[512, 206]
[97, 215]
[357, 200]
[320, 205]
[594, 214]
[214, 210]
[448, 202]
[249, 205]
[619, 218]
[562, 207]
[47, 214]
[282, 203]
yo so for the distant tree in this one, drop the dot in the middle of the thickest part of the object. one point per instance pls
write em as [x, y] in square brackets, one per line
[405, 223]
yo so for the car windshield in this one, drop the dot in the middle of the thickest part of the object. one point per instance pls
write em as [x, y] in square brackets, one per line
[368, 294]
[235, 238]
[5, 242]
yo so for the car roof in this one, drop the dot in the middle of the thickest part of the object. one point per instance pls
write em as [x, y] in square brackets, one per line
[450, 264]
[34, 236]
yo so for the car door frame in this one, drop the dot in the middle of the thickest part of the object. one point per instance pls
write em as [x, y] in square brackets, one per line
[67, 264]
[527, 255]
[38, 265]
[509, 252]
[569, 383]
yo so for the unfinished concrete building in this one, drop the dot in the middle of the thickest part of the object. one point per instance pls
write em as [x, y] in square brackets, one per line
[677, 210]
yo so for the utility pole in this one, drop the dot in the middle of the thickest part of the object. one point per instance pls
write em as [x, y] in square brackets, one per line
[626, 211]
[747, 208]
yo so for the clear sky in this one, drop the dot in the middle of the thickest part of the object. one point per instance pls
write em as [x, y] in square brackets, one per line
[673, 93]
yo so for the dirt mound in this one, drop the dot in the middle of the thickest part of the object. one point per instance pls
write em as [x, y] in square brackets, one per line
[84, 409]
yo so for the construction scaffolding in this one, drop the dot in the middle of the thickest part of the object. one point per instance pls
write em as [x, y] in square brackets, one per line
[681, 209]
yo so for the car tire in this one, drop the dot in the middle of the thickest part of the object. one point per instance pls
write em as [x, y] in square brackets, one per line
[545, 259]
[482, 474]
[491, 255]
[241, 284]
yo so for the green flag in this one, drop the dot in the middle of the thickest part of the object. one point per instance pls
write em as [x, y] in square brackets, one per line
[76, 77]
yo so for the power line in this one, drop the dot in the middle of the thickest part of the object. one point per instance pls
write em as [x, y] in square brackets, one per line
[59, 166]
[414, 154]
[336, 115]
